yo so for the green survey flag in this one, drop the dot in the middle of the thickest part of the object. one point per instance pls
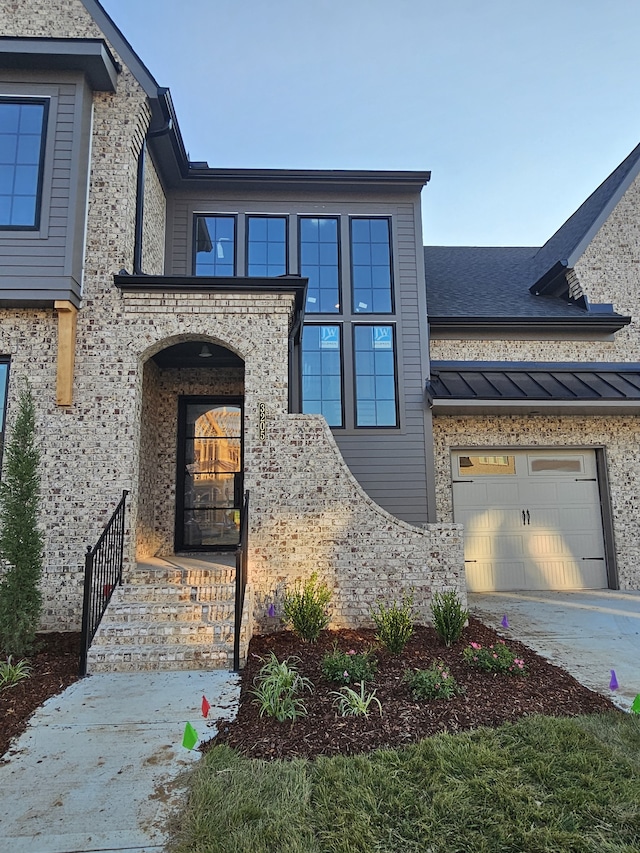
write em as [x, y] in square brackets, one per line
[190, 737]
[635, 705]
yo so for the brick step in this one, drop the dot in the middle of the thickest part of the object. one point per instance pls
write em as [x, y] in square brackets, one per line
[137, 658]
[167, 593]
[126, 610]
[174, 575]
[137, 633]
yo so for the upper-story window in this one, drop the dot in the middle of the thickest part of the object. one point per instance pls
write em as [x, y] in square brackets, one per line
[22, 138]
[371, 266]
[319, 262]
[215, 245]
[266, 245]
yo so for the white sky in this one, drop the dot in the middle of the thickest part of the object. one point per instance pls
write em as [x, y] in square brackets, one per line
[519, 109]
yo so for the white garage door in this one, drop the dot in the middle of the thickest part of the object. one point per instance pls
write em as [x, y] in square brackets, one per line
[532, 519]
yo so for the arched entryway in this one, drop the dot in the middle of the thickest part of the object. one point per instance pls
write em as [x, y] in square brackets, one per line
[191, 454]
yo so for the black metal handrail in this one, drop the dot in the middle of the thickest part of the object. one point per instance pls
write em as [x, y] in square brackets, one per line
[241, 580]
[102, 573]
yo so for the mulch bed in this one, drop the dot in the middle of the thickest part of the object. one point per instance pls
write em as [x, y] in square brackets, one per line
[488, 700]
[53, 667]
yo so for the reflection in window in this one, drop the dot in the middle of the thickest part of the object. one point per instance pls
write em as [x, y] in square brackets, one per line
[371, 266]
[215, 245]
[322, 373]
[319, 262]
[21, 158]
[375, 376]
[489, 466]
[266, 245]
[567, 465]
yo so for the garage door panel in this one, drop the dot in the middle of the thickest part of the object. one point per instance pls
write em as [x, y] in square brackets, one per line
[552, 546]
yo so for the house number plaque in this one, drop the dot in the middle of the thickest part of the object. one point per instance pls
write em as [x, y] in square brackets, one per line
[262, 421]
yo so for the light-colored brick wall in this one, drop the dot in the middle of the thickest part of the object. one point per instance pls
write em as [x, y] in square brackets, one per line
[154, 221]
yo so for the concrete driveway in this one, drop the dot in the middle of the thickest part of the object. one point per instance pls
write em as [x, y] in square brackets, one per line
[587, 632]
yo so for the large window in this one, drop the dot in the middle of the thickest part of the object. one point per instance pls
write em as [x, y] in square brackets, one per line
[266, 245]
[319, 262]
[371, 266]
[322, 373]
[215, 245]
[375, 376]
[22, 135]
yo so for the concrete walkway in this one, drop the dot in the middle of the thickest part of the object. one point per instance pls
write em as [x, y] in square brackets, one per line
[588, 633]
[97, 768]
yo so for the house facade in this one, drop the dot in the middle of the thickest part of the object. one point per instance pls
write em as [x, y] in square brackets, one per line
[192, 334]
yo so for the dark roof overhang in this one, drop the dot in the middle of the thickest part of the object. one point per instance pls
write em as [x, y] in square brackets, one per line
[601, 323]
[296, 285]
[533, 388]
[90, 56]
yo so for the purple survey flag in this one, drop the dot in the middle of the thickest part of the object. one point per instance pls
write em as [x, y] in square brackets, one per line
[613, 684]
[505, 621]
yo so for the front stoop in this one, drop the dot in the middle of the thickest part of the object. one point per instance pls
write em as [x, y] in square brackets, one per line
[172, 613]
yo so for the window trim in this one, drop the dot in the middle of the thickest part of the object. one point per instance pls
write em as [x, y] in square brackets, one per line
[337, 217]
[194, 232]
[392, 310]
[341, 327]
[247, 218]
[45, 101]
[356, 425]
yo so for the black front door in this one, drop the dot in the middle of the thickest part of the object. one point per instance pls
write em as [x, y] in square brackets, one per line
[209, 478]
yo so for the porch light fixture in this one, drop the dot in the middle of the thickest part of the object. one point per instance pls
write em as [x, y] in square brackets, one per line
[205, 352]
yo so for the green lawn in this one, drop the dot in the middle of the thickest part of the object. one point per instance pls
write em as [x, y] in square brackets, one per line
[541, 785]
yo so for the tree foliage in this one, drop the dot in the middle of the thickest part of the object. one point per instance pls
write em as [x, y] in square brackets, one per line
[21, 542]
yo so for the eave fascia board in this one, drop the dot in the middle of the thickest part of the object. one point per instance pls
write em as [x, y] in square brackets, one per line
[531, 406]
[537, 366]
[598, 323]
[92, 57]
[344, 179]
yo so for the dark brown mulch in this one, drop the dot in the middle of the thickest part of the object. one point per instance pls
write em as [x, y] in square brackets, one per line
[488, 700]
[54, 666]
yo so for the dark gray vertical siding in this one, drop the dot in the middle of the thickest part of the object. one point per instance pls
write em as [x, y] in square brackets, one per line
[390, 465]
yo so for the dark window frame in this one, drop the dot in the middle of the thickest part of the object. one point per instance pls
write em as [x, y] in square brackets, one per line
[392, 309]
[4, 400]
[396, 383]
[337, 218]
[341, 328]
[45, 103]
[194, 253]
[247, 221]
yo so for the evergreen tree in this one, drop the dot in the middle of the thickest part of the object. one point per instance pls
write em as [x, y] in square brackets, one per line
[21, 542]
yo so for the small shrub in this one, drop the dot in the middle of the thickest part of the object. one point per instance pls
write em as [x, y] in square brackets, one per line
[305, 608]
[276, 687]
[494, 658]
[348, 667]
[11, 673]
[350, 703]
[449, 617]
[433, 683]
[394, 624]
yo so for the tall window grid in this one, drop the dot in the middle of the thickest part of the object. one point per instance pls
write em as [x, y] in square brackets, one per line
[320, 263]
[22, 138]
[322, 373]
[371, 266]
[215, 245]
[375, 376]
[266, 245]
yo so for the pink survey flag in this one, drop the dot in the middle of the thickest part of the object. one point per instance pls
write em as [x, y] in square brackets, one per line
[505, 621]
[205, 707]
[613, 684]
[190, 737]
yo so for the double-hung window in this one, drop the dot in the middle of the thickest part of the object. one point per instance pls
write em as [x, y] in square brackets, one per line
[215, 243]
[22, 141]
